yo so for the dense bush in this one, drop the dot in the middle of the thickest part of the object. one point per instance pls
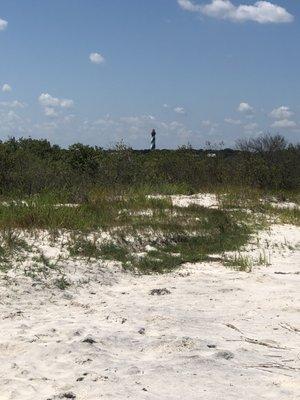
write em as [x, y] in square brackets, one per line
[29, 166]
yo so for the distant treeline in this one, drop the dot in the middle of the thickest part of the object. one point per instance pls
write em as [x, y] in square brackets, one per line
[29, 166]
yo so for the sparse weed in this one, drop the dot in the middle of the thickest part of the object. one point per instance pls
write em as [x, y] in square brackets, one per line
[111, 251]
[5, 264]
[239, 262]
[83, 247]
[285, 216]
[12, 246]
[263, 259]
[12, 242]
[44, 261]
[62, 283]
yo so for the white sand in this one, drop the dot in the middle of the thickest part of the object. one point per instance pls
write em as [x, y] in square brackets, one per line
[287, 204]
[203, 199]
[208, 200]
[219, 334]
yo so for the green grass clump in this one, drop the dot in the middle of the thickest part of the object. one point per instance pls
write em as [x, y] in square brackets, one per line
[157, 262]
[5, 264]
[82, 247]
[62, 283]
[12, 242]
[239, 263]
[285, 215]
[111, 251]
[216, 233]
[11, 245]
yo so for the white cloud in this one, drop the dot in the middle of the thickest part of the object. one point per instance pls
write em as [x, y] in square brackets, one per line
[282, 116]
[179, 110]
[282, 113]
[97, 58]
[46, 99]
[50, 112]
[131, 120]
[187, 5]
[137, 120]
[13, 104]
[6, 88]
[245, 108]
[206, 122]
[232, 121]
[65, 103]
[284, 123]
[3, 24]
[263, 12]
[50, 103]
[13, 124]
[69, 118]
[47, 126]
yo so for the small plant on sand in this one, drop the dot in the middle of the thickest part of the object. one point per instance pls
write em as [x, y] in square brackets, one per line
[5, 265]
[111, 251]
[45, 261]
[263, 259]
[11, 246]
[83, 247]
[286, 215]
[12, 242]
[157, 262]
[62, 283]
[239, 263]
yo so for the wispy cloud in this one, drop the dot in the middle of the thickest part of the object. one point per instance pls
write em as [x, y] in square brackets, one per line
[283, 115]
[52, 104]
[13, 124]
[13, 104]
[180, 110]
[232, 121]
[284, 123]
[210, 127]
[251, 127]
[50, 112]
[47, 100]
[263, 12]
[3, 24]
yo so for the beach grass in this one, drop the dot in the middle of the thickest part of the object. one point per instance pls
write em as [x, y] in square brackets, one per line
[133, 220]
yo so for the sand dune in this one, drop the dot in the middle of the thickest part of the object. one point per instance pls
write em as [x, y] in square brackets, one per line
[214, 333]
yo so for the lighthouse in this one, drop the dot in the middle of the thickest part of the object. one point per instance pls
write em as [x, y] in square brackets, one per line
[153, 143]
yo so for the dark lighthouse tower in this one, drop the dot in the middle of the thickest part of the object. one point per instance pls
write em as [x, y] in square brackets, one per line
[153, 142]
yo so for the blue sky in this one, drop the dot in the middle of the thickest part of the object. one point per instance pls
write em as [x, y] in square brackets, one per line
[98, 71]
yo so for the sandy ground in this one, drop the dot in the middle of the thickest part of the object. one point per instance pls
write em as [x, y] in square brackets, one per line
[215, 334]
